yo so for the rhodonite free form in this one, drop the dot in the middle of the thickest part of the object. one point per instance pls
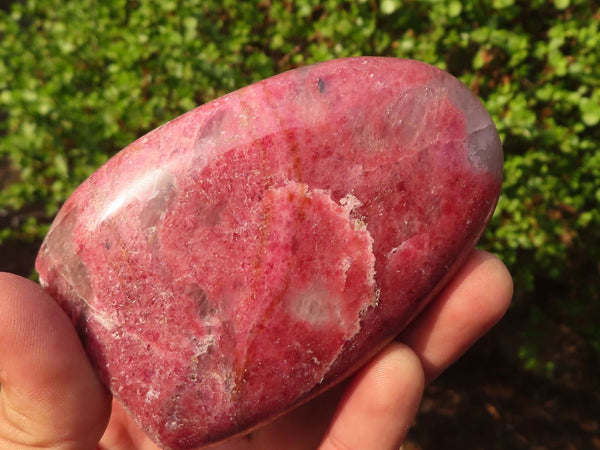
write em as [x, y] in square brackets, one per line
[252, 252]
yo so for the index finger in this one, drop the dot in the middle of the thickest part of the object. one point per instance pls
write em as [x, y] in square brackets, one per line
[472, 303]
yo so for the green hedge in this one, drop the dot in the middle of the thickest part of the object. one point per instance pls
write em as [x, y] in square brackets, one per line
[80, 80]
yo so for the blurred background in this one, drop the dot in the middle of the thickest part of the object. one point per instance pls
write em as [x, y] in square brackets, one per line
[80, 80]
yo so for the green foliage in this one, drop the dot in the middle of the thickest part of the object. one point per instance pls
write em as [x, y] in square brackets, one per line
[80, 80]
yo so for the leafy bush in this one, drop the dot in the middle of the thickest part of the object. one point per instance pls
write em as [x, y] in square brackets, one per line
[80, 80]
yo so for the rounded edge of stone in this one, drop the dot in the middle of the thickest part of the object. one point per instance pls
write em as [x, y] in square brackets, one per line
[483, 142]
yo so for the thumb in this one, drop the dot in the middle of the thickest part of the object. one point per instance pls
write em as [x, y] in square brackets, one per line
[49, 394]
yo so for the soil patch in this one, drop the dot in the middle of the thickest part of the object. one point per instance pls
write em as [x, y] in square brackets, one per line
[487, 401]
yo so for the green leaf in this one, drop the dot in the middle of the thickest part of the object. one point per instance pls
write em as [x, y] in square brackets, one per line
[454, 8]
[389, 6]
[590, 111]
[501, 4]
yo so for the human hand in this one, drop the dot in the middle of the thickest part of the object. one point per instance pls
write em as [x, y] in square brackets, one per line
[51, 398]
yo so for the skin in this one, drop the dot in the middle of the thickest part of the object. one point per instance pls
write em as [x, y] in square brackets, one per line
[51, 398]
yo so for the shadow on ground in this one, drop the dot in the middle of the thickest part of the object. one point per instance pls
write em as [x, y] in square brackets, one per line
[488, 401]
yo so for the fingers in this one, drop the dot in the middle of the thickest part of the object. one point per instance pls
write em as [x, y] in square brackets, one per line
[380, 404]
[50, 396]
[383, 399]
[475, 299]
[123, 433]
[300, 429]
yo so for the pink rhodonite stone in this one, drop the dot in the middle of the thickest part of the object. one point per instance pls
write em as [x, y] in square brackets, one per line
[252, 252]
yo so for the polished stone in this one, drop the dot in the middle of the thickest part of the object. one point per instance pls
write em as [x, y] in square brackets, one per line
[245, 256]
